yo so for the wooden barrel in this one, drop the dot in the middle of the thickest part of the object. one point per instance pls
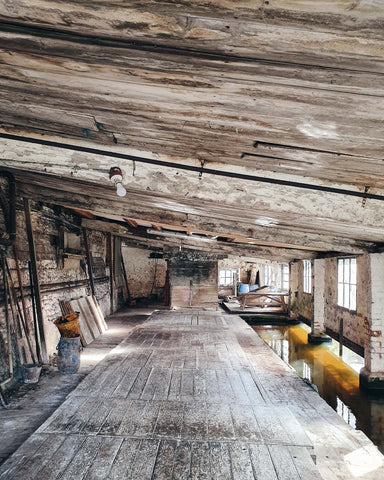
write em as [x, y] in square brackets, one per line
[68, 354]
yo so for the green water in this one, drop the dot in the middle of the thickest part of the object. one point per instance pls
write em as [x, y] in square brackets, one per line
[336, 378]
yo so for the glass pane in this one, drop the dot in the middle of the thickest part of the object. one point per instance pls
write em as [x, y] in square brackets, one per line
[340, 269]
[340, 291]
[353, 271]
[346, 295]
[346, 270]
[352, 297]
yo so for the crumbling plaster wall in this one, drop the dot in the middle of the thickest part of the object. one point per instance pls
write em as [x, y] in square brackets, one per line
[355, 323]
[301, 302]
[61, 277]
[374, 325]
[145, 275]
[246, 265]
[236, 263]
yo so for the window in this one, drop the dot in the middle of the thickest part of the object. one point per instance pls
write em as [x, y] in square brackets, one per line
[307, 280]
[346, 283]
[226, 276]
[285, 278]
[267, 275]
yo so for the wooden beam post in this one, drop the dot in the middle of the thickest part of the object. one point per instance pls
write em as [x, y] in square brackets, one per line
[36, 283]
[89, 261]
[111, 270]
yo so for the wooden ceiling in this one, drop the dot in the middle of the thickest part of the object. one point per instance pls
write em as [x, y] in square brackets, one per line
[259, 123]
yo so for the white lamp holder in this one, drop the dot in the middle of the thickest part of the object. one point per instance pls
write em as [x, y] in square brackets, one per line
[116, 176]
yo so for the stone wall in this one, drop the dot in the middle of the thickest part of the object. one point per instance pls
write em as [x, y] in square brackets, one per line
[249, 267]
[354, 322]
[301, 303]
[243, 266]
[62, 275]
[145, 275]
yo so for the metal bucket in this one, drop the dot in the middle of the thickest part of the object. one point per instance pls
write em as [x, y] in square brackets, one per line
[68, 355]
[31, 373]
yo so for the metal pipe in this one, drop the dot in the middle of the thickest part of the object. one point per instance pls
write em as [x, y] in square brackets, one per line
[191, 168]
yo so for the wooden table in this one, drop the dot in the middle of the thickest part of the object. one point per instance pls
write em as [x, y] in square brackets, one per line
[275, 299]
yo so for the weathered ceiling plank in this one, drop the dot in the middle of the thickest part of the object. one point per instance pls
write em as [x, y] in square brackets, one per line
[161, 116]
[187, 192]
[213, 217]
[214, 246]
[197, 84]
[217, 25]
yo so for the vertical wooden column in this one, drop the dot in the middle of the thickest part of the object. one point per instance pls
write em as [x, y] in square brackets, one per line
[32, 253]
[111, 270]
[89, 261]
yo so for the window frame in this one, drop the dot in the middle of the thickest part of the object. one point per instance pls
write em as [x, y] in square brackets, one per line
[347, 283]
[232, 270]
[284, 277]
[307, 276]
[267, 274]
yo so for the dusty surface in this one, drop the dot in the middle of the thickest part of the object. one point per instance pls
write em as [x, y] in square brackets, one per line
[31, 404]
[194, 394]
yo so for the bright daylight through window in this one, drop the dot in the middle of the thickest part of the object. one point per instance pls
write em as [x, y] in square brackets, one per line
[307, 281]
[346, 283]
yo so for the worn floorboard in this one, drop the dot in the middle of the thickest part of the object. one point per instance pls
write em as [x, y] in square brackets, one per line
[188, 395]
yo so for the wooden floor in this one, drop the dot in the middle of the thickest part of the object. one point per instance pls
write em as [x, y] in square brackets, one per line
[188, 395]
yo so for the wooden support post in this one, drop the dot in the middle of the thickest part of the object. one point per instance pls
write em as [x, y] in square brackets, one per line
[36, 284]
[7, 319]
[89, 261]
[18, 315]
[125, 277]
[20, 280]
[34, 312]
[341, 336]
[111, 270]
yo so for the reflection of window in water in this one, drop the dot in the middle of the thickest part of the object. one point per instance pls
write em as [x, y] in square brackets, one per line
[345, 413]
[281, 347]
[276, 345]
[285, 351]
[307, 371]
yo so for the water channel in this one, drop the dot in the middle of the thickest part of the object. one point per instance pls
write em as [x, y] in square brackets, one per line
[336, 378]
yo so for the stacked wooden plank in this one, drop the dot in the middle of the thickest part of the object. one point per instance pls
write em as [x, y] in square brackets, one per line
[91, 319]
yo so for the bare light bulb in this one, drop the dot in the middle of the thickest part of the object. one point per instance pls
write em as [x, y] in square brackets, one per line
[116, 176]
[120, 190]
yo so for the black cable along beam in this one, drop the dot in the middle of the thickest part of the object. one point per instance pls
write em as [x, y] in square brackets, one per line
[191, 168]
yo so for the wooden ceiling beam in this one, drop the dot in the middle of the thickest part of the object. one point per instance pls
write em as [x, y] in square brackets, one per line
[131, 222]
[78, 194]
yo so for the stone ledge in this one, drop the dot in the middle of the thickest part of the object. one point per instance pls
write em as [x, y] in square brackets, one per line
[371, 381]
[316, 338]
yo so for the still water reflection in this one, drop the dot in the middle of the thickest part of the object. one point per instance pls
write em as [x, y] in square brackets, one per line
[336, 379]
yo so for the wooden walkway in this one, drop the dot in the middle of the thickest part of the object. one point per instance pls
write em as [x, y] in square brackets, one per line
[186, 396]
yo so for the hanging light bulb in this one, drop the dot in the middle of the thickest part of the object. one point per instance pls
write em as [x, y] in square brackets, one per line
[120, 190]
[116, 176]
